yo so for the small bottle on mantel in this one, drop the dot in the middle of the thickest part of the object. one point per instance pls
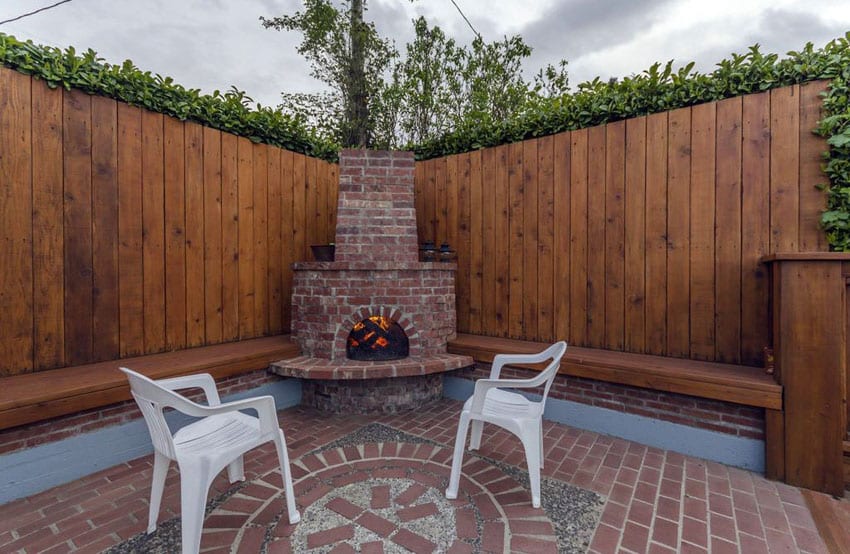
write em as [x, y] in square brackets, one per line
[446, 253]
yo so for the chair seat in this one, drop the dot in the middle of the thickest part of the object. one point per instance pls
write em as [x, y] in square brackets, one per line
[502, 404]
[224, 432]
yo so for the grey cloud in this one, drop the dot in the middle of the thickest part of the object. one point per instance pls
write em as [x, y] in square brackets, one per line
[575, 27]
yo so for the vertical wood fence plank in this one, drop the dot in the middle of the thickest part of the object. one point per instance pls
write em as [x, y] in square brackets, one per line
[299, 206]
[16, 212]
[812, 199]
[261, 246]
[430, 194]
[321, 202]
[287, 255]
[48, 259]
[473, 236]
[130, 297]
[333, 200]
[419, 186]
[78, 222]
[755, 226]
[702, 305]
[195, 283]
[502, 239]
[727, 254]
[104, 230]
[175, 234]
[275, 300]
[153, 221]
[784, 168]
[656, 234]
[634, 336]
[561, 245]
[489, 220]
[311, 203]
[678, 233]
[451, 226]
[442, 208]
[245, 175]
[530, 303]
[212, 236]
[229, 238]
[546, 240]
[596, 228]
[615, 235]
[578, 238]
[515, 222]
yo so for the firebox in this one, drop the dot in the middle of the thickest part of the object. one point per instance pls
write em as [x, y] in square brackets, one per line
[377, 338]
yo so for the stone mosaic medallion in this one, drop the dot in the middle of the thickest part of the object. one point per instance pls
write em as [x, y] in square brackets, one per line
[382, 490]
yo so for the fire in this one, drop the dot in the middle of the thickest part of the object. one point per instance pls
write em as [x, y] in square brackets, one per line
[382, 342]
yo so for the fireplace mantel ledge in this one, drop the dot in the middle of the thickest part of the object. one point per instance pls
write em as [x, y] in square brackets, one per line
[374, 266]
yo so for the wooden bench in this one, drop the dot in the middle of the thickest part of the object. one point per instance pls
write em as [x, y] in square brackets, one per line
[38, 396]
[744, 385]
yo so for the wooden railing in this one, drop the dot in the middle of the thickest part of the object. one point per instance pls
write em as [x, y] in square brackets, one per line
[642, 235]
[126, 232]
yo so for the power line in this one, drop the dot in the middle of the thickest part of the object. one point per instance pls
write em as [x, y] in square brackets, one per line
[45, 8]
[465, 19]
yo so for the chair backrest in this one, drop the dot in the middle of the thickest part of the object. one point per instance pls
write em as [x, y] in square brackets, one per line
[555, 352]
[152, 399]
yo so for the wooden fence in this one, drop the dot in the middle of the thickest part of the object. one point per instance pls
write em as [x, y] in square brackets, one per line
[642, 235]
[125, 232]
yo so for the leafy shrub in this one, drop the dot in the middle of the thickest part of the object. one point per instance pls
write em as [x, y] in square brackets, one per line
[230, 111]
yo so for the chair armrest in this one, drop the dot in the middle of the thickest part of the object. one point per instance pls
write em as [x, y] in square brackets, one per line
[482, 386]
[264, 406]
[501, 360]
[203, 381]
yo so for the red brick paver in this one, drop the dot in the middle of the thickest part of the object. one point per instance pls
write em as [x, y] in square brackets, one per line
[655, 500]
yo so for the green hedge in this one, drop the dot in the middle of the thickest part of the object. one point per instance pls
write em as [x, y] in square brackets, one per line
[230, 111]
[658, 89]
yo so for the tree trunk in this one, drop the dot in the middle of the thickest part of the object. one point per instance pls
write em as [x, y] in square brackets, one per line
[357, 111]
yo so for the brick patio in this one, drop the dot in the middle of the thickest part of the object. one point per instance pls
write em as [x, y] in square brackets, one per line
[651, 500]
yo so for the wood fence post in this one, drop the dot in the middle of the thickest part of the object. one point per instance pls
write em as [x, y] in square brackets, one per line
[809, 330]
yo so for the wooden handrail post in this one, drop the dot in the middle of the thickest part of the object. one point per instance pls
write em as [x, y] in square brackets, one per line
[809, 334]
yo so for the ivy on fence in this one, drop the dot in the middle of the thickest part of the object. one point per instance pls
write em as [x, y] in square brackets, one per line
[658, 89]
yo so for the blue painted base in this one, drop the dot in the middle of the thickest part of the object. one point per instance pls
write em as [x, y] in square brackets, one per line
[37, 469]
[710, 445]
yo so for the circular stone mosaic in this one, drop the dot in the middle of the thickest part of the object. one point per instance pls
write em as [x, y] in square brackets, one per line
[382, 490]
[360, 514]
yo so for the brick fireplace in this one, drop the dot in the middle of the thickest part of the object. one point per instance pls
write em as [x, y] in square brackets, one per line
[375, 283]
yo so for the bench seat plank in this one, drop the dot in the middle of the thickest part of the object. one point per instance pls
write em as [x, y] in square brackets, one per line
[745, 385]
[46, 394]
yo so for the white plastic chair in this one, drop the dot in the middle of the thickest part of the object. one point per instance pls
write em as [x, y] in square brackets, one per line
[205, 447]
[509, 410]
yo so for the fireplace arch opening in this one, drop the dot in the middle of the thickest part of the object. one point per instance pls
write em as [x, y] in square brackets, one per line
[377, 338]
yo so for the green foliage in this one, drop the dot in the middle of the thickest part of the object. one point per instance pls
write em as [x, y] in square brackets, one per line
[347, 54]
[230, 111]
[835, 126]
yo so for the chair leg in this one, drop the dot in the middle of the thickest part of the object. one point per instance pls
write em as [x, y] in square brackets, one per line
[532, 458]
[457, 457]
[283, 458]
[236, 470]
[475, 437]
[194, 485]
[540, 442]
[160, 472]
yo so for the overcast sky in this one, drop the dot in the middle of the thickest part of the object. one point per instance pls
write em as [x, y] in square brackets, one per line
[213, 44]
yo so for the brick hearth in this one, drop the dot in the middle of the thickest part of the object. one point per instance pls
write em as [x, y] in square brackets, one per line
[375, 272]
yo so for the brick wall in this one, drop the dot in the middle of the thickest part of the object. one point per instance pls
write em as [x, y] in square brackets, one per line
[376, 219]
[713, 415]
[51, 430]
